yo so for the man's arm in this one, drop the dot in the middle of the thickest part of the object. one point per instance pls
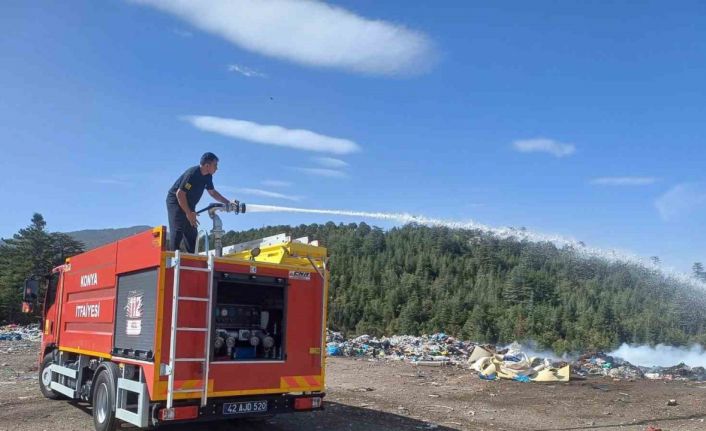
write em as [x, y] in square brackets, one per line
[190, 215]
[217, 196]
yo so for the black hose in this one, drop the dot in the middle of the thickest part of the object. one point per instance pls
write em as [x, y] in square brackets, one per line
[241, 209]
[210, 206]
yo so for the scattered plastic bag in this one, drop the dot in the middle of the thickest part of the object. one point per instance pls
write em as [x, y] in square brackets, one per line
[15, 332]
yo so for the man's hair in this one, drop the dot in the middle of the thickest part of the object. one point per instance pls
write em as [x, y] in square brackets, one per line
[208, 158]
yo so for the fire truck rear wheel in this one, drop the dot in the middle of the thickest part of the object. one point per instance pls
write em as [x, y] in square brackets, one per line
[104, 402]
[45, 379]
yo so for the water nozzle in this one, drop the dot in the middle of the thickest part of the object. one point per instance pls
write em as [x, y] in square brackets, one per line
[239, 209]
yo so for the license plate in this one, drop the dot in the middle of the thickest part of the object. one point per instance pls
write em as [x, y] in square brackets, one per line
[244, 407]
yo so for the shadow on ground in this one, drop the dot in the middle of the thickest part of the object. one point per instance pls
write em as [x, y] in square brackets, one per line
[335, 417]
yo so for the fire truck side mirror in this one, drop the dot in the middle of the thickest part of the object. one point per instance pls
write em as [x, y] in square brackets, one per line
[27, 307]
[31, 291]
[29, 295]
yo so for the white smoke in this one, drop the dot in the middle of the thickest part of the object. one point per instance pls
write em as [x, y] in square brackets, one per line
[501, 232]
[532, 350]
[661, 355]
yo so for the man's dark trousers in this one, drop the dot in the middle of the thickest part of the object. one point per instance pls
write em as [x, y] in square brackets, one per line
[180, 228]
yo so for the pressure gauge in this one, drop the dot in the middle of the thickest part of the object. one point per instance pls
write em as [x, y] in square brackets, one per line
[268, 342]
[219, 342]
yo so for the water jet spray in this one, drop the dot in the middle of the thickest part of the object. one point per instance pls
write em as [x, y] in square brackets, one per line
[500, 232]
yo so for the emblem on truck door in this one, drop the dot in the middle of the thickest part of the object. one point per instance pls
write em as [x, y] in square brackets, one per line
[133, 312]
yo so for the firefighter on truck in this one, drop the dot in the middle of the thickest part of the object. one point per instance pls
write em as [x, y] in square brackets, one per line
[183, 197]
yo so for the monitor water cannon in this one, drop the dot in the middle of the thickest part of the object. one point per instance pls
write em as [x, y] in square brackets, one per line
[217, 231]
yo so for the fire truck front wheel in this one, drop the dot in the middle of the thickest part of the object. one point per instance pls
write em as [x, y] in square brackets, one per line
[45, 378]
[104, 402]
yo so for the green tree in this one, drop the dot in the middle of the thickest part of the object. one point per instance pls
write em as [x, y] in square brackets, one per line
[699, 273]
[33, 251]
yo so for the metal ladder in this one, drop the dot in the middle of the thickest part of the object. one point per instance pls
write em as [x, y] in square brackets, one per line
[175, 263]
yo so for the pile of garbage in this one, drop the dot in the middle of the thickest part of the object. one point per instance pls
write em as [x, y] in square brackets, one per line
[491, 363]
[14, 332]
[440, 349]
[436, 348]
[677, 372]
[600, 364]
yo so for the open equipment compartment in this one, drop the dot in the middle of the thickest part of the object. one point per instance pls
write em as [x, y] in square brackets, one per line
[249, 318]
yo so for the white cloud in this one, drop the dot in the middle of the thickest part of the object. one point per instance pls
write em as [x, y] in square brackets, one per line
[681, 200]
[299, 139]
[308, 32]
[268, 194]
[330, 162]
[276, 183]
[624, 181]
[245, 71]
[543, 145]
[321, 172]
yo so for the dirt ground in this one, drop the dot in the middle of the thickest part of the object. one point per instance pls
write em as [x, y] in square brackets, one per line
[364, 395]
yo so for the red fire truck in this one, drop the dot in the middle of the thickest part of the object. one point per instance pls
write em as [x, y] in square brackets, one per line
[150, 337]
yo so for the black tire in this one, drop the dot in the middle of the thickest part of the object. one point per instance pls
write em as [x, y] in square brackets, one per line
[103, 401]
[45, 379]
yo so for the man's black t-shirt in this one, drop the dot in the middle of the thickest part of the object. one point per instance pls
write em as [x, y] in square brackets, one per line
[192, 182]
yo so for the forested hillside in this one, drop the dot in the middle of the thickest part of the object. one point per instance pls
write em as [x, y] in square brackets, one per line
[418, 279]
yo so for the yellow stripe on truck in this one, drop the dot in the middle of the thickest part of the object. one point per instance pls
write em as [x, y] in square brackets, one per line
[300, 383]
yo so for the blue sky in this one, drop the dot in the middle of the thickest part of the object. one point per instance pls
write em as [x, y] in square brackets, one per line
[579, 119]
